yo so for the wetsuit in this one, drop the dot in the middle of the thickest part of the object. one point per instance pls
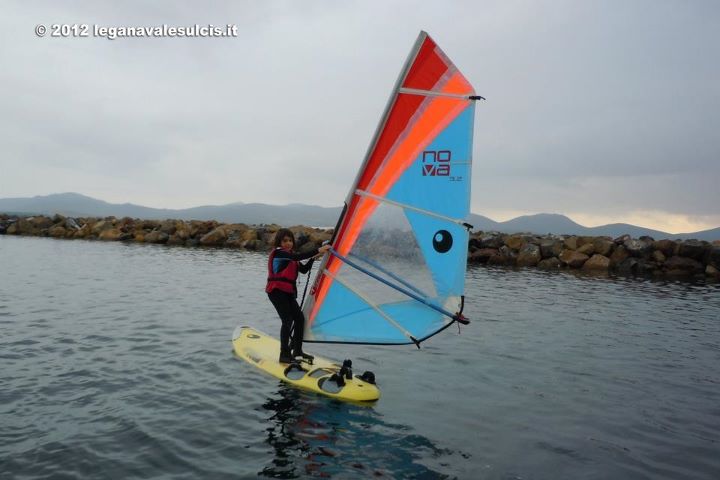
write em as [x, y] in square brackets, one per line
[283, 268]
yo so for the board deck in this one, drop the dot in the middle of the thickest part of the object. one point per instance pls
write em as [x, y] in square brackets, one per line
[263, 351]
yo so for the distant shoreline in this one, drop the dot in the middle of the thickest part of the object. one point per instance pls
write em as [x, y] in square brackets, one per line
[76, 205]
[642, 256]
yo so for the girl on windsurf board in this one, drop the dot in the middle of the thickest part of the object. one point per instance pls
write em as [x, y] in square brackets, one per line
[283, 268]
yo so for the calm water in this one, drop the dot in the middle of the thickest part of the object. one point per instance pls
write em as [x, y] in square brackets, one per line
[116, 362]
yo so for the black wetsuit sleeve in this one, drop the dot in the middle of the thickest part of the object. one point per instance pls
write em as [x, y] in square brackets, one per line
[305, 267]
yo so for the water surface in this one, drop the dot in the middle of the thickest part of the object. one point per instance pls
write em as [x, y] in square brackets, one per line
[117, 363]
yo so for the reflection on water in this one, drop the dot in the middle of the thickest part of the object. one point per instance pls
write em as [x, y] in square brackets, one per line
[313, 435]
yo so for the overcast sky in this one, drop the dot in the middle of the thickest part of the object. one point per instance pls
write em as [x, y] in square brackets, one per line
[605, 111]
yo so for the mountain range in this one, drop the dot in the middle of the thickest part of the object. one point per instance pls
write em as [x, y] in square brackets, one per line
[77, 205]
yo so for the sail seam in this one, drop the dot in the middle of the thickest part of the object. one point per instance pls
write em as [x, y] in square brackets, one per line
[429, 213]
[372, 304]
[432, 93]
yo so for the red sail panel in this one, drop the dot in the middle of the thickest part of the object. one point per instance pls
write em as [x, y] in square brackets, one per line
[428, 68]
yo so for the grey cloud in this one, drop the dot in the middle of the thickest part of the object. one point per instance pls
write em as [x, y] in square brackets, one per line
[588, 103]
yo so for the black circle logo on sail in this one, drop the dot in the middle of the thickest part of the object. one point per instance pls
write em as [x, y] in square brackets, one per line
[442, 241]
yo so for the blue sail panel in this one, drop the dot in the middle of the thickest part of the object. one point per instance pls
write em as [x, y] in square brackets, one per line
[347, 317]
[439, 178]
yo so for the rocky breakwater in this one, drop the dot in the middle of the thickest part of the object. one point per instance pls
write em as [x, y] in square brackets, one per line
[169, 232]
[623, 255]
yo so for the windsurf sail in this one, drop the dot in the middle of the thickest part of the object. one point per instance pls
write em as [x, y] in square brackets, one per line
[396, 270]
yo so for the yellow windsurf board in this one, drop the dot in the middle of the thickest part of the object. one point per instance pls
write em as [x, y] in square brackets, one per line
[322, 375]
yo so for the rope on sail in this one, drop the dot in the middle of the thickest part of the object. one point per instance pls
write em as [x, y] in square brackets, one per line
[389, 274]
[410, 294]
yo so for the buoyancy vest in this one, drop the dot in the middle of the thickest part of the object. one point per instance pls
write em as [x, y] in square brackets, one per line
[284, 279]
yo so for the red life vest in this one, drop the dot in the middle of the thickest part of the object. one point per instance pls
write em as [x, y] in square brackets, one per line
[285, 279]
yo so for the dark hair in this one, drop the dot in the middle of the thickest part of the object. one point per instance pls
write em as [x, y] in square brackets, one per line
[282, 233]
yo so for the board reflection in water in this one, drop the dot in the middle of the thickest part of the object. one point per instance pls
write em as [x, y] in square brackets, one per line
[314, 436]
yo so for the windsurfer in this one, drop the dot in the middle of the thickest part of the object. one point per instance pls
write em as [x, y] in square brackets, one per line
[283, 268]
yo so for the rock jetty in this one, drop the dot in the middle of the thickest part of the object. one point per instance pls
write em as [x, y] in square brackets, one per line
[169, 232]
[623, 255]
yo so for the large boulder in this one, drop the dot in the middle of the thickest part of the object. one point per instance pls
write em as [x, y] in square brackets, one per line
[175, 239]
[647, 266]
[84, 232]
[571, 243]
[168, 226]
[584, 240]
[491, 241]
[148, 225]
[41, 222]
[182, 231]
[236, 234]
[112, 234]
[639, 247]
[24, 226]
[677, 265]
[622, 239]
[659, 256]
[199, 228]
[155, 236]
[515, 241]
[250, 236]
[529, 255]
[629, 265]
[254, 245]
[667, 247]
[215, 238]
[711, 271]
[57, 231]
[550, 247]
[603, 246]
[714, 256]
[573, 259]
[618, 255]
[597, 262]
[72, 224]
[482, 255]
[101, 226]
[551, 263]
[694, 249]
[505, 256]
[587, 248]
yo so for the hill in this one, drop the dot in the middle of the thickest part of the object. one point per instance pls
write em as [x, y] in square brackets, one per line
[77, 205]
